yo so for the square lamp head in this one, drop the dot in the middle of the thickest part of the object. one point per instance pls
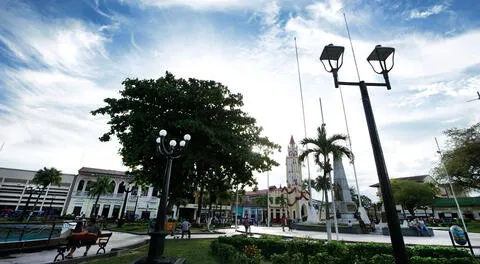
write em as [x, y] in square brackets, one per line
[334, 56]
[381, 54]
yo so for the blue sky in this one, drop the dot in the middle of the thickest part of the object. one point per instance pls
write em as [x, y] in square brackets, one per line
[60, 59]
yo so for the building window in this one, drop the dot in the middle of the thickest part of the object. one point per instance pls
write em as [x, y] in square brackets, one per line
[89, 185]
[144, 191]
[112, 184]
[80, 185]
[135, 190]
[155, 192]
[121, 187]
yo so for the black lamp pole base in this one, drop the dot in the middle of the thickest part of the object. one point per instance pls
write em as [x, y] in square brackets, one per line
[156, 249]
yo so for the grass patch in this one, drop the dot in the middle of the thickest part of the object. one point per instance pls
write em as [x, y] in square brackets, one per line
[473, 226]
[196, 251]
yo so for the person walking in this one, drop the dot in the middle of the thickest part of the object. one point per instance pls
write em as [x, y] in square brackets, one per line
[284, 222]
[246, 224]
[186, 228]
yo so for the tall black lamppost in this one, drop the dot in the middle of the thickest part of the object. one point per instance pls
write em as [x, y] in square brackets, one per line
[124, 208]
[157, 240]
[333, 55]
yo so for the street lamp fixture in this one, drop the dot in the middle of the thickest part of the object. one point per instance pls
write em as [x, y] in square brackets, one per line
[170, 152]
[332, 60]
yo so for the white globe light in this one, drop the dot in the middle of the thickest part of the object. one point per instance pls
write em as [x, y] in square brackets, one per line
[163, 132]
[182, 143]
[159, 140]
[187, 137]
[173, 143]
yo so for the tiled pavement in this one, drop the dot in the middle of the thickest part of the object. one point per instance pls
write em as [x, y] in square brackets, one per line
[119, 240]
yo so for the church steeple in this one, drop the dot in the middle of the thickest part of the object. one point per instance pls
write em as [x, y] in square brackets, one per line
[294, 170]
[292, 148]
[292, 142]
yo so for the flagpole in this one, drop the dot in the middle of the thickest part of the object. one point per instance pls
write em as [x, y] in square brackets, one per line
[451, 187]
[304, 128]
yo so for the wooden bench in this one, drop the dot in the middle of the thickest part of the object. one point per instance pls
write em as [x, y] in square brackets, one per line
[83, 241]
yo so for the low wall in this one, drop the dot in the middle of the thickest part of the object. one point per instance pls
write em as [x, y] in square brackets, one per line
[321, 228]
[409, 232]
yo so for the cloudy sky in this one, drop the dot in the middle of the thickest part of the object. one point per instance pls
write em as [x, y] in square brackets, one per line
[60, 59]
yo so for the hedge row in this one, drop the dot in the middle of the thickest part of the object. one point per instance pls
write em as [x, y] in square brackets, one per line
[316, 251]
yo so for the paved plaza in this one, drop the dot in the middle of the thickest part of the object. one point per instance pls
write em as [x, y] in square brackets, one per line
[120, 240]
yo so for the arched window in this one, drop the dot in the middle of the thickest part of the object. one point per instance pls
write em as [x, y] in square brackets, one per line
[134, 190]
[144, 191]
[89, 185]
[112, 184]
[80, 185]
[121, 187]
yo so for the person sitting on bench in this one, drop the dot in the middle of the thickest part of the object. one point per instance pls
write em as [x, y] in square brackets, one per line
[91, 231]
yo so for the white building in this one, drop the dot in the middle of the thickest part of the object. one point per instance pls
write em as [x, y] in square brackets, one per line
[14, 193]
[142, 202]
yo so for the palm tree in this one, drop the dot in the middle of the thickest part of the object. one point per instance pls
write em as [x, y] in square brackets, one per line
[45, 177]
[100, 187]
[282, 200]
[323, 147]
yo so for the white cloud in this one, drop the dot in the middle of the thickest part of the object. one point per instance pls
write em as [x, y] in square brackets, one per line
[49, 120]
[204, 4]
[433, 10]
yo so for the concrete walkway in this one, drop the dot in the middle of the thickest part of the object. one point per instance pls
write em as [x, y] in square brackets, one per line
[120, 240]
[117, 240]
[441, 237]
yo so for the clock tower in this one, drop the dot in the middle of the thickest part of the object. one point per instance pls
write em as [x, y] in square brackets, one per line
[294, 168]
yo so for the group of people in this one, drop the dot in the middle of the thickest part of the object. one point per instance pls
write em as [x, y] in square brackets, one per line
[89, 235]
[418, 225]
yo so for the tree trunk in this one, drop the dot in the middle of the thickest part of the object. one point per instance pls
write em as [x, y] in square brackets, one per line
[200, 198]
[95, 207]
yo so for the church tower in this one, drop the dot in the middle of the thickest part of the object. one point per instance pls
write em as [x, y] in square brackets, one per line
[294, 168]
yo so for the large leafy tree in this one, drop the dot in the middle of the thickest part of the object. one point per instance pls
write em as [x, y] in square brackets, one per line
[413, 195]
[322, 147]
[366, 201]
[461, 158]
[45, 177]
[98, 188]
[226, 146]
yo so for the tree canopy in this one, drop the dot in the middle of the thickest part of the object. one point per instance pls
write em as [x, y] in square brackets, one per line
[413, 195]
[47, 176]
[461, 158]
[226, 147]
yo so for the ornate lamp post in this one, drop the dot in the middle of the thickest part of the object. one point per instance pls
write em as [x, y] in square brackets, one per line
[128, 190]
[157, 240]
[332, 60]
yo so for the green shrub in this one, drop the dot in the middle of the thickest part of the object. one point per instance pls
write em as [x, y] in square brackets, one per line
[304, 246]
[228, 254]
[382, 259]
[324, 258]
[287, 258]
[431, 260]
[368, 250]
[337, 250]
[437, 252]
[271, 246]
